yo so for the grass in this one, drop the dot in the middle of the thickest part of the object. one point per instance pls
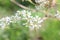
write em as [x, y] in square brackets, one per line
[51, 30]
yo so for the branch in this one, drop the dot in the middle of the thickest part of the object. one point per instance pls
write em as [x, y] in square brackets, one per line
[20, 5]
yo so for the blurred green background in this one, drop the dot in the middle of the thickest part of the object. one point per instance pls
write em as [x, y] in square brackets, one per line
[49, 31]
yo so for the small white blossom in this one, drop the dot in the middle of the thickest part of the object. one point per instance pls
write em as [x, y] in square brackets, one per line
[32, 22]
[2, 19]
[23, 12]
[57, 15]
[39, 1]
[2, 25]
[40, 21]
[31, 27]
[7, 20]
[18, 11]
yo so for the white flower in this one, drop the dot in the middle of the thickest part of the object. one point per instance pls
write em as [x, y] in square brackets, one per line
[39, 1]
[58, 17]
[23, 12]
[17, 14]
[31, 27]
[17, 17]
[2, 25]
[35, 25]
[7, 19]
[31, 21]
[40, 21]
[2, 19]
[29, 16]
[40, 25]
[29, 12]
[34, 19]
[36, 16]
[56, 14]
[18, 11]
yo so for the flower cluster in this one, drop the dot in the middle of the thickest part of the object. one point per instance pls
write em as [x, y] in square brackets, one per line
[35, 22]
[42, 4]
[31, 21]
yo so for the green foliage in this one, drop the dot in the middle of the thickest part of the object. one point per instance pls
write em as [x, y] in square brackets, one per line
[17, 31]
[52, 30]
[8, 5]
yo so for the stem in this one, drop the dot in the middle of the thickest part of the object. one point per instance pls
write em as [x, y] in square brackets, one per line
[20, 5]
